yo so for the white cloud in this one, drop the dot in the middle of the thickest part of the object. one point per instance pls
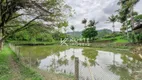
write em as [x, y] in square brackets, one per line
[99, 10]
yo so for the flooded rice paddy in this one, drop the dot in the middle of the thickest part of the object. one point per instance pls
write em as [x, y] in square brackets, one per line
[94, 64]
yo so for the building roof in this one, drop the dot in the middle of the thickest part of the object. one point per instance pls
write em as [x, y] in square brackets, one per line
[137, 25]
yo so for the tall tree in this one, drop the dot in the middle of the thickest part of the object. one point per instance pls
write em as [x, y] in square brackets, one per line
[89, 32]
[126, 11]
[25, 12]
[112, 19]
[92, 23]
[73, 28]
[84, 21]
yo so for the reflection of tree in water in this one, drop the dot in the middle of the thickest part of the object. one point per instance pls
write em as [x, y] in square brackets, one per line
[123, 72]
[131, 69]
[90, 55]
[73, 56]
[85, 64]
[58, 55]
[62, 61]
[53, 65]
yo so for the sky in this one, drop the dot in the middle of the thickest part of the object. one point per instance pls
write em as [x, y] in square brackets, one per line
[98, 10]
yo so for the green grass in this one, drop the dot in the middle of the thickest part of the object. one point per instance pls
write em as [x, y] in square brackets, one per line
[4, 64]
[116, 39]
[121, 41]
[32, 43]
[6, 69]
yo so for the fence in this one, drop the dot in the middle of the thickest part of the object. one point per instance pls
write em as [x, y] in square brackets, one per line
[25, 60]
[75, 65]
[76, 68]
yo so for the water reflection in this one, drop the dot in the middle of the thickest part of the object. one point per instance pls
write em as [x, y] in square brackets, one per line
[102, 65]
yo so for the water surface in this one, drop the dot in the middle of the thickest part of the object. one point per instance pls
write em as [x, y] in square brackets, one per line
[93, 63]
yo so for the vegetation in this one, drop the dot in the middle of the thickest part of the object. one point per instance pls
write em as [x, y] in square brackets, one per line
[13, 14]
[90, 29]
[112, 19]
[11, 67]
[32, 25]
[89, 33]
[84, 21]
[125, 12]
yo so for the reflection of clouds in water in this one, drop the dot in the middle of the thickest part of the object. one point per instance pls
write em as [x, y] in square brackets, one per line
[66, 63]
[99, 63]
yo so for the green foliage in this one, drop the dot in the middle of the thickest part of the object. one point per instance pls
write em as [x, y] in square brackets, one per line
[91, 54]
[50, 11]
[4, 64]
[138, 17]
[29, 74]
[72, 28]
[58, 35]
[63, 24]
[33, 33]
[112, 18]
[92, 23]
[125, 9]
[117, 38]
[89, 33]
[84, 21]
[104, 32]
[6, 70]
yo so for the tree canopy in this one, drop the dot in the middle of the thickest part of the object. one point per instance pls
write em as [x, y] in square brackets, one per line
[24, 12]
[89, 32]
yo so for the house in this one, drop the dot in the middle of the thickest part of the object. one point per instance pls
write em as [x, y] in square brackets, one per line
[138, 26]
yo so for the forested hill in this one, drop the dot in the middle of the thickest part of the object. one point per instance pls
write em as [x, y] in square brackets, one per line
[76, 34]
[101, 33]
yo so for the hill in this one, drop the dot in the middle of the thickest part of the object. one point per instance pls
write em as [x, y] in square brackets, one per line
[101, 33]
[76, 34]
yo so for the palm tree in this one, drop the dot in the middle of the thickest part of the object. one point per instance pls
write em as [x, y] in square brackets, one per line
[112, 19]
[72, 28]
[92, 23]
[126, 11]
[84, 21]
[132, 4]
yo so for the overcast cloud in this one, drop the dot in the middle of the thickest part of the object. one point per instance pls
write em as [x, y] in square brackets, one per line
[99, 10]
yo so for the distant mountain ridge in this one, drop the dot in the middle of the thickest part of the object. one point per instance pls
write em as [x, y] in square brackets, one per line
[101, 33]
[75, 34]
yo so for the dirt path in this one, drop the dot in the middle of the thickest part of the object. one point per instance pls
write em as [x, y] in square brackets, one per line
[16, 75]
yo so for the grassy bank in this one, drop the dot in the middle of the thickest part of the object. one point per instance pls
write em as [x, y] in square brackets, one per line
[113, 45]
[33, 43]
[4, 64]
[12, 69]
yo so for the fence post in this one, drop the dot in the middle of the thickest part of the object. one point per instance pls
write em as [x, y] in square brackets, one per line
[76, 68]
[29, 59]
[19, 53]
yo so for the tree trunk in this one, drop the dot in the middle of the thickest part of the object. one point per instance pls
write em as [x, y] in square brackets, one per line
[127, 35]
[1, 40]
[1, 44]
[132, 25]
[113, 28]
